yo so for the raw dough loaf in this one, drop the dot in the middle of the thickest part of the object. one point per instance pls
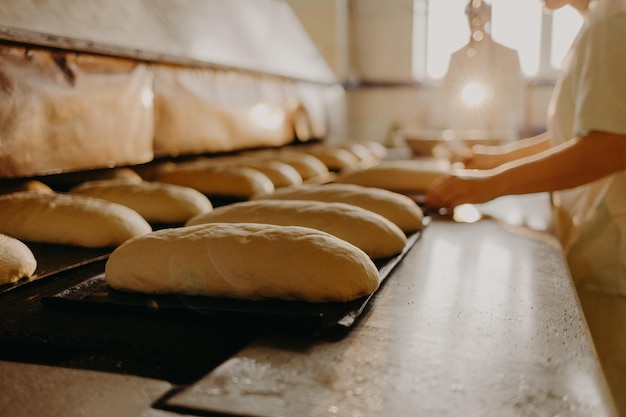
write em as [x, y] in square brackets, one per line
[308, 166]
[280, 173]
[335, 158]
[16, 260]
[154, 201]
[406, 177]
[68, 219]
[376, 148]
[244, 261]
[12, 186]
[67, 180]
[219, 180]
[365, 156]
[398, 208]
[371, 232]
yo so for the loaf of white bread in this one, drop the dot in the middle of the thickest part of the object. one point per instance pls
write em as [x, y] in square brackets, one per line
[280, 173]
[68, 219]
[308, 166]
[335, 158]
[15, 185]
[366, 157]
[16, 260]
[375, 235]
[243, 261]
[155, 201]
[217, 180]
[400, 209]
[406, 177]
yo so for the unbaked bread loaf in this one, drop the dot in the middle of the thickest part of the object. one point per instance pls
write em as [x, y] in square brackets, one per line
[16, 260]
[335, 158]
[366, 158]
[280, 173]
[406, 177]
[219, 180]
[376, 148]
[68, 219]
[155, 201]
[400, 209]
[243, 261]
[67, 180]
[8, 186]
[308, 166]
[371, 232]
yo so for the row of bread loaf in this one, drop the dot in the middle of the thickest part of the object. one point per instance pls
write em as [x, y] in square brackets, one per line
[315, 243]
[238, 175]
[109, 221]
[370, 221]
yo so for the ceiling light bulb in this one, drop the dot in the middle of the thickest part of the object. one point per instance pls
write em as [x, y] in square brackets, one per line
[473, 94]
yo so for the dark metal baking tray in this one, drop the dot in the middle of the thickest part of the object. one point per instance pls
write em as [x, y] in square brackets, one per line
[94, 295]
[53, 259]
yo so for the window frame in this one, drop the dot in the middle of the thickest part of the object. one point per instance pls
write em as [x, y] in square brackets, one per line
[546, 72]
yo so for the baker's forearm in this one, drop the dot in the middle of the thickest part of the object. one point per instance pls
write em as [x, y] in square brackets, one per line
[574, 163]
[486, 157]
[569, 165]
[526, 147]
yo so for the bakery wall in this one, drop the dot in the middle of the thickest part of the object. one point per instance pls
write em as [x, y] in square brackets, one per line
[87, 84]
[91, 84]
[367, 43]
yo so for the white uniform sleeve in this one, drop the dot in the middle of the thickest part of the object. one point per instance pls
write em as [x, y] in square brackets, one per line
[601, 88]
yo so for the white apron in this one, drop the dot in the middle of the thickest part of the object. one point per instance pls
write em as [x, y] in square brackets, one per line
[591, 96]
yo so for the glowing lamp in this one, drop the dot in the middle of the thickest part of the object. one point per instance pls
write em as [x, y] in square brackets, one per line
[473, 94]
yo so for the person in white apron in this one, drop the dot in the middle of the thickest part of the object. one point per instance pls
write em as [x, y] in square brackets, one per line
[582, 160]
[489, 75]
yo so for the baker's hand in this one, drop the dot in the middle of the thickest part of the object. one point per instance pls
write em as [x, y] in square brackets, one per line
[449, 192]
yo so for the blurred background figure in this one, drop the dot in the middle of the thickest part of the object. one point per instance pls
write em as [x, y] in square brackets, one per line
[483, 85]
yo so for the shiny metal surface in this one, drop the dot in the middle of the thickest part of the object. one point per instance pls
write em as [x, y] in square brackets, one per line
[35, 390]
[479, 319]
